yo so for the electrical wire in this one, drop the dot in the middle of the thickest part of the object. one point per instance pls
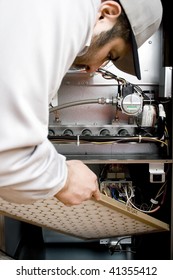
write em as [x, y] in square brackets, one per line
[117, 247]
[166, 136]
[134, 206]
[109, 75]
[102, 140]
[161, 192]
[126, 193]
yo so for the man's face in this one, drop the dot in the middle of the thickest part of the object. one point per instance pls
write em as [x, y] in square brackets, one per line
[97, 54]
[106, 43]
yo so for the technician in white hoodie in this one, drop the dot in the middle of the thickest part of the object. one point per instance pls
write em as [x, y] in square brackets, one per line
[39, 41]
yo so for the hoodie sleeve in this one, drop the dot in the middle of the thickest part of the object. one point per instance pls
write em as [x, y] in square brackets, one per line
[38, 43]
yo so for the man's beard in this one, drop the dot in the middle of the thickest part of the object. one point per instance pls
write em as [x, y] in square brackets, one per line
[97, 42]
[81, 62]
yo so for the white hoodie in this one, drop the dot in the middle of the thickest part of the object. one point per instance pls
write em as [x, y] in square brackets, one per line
[39, 40]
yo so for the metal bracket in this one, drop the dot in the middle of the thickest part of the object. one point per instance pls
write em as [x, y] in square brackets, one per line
[157, 173]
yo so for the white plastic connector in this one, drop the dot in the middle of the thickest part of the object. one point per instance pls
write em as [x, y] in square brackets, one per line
[162, 111]
[148, 115]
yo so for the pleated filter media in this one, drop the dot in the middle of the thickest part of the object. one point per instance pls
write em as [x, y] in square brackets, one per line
[89, 220]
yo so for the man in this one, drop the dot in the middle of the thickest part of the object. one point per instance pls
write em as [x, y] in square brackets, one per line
[39, 41]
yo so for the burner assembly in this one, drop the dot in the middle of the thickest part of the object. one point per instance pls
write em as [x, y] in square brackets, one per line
[129, 115]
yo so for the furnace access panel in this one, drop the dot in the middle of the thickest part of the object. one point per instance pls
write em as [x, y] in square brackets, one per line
[121, 128]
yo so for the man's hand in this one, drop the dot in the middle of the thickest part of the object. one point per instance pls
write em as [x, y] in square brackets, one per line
[81, 184]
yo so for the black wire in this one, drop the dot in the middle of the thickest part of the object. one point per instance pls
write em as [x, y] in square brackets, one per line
[119, 240]
[113, 248]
